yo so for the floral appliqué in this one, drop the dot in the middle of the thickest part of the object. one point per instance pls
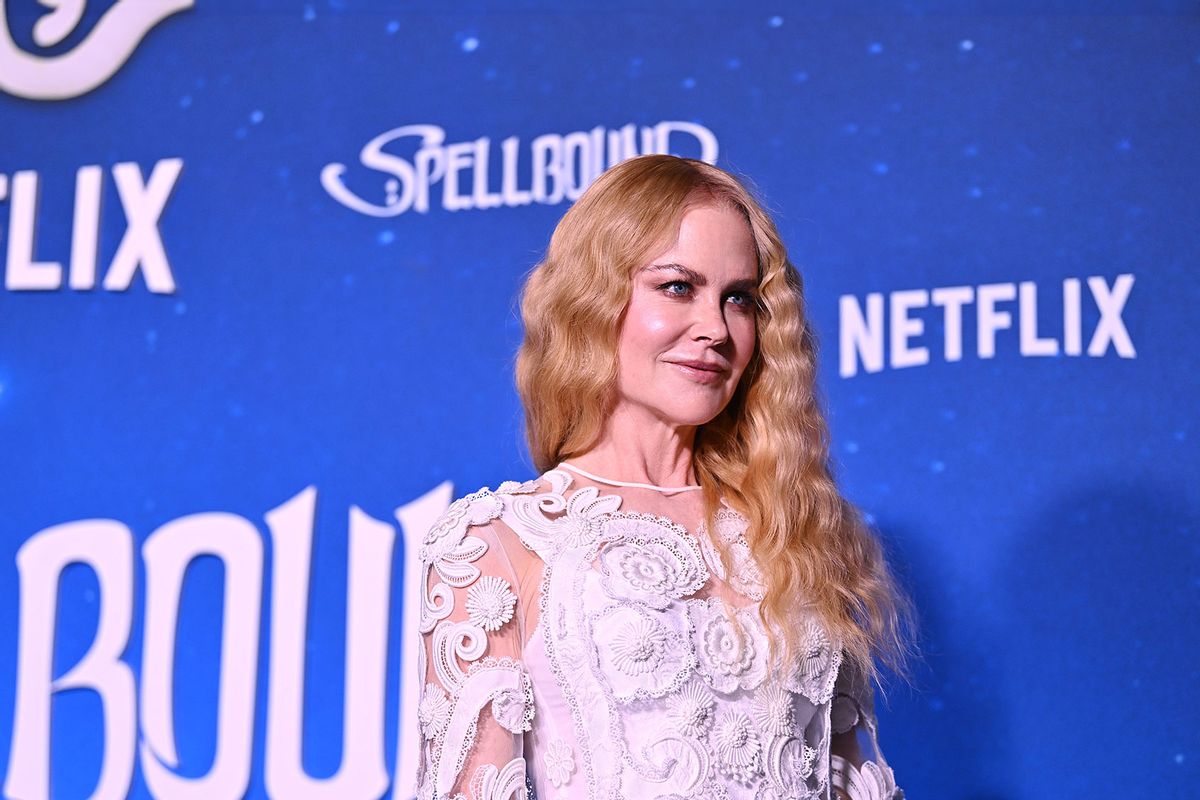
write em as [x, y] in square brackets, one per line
[736, 744]
[690, 710]
[772, 710]
[434, 711]
[731, 651]
[639, 646]
[559, 762]
[490, 603]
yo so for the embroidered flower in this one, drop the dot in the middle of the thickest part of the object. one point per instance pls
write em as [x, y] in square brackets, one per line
[559, 761]
[635, 655]
[645, 569]
[490, 604]
[649, 559]
[772, 710]
[816, 669]
[736, 745]
[434, 711]
[726, 648]
[639, 646]
[690, 710]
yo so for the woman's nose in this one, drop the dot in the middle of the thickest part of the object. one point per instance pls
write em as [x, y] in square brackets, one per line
[709, 322]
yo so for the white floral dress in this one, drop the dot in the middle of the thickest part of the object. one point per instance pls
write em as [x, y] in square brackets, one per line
[577, 649]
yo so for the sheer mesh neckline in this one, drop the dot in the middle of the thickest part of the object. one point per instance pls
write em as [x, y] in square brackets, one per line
[632, 485]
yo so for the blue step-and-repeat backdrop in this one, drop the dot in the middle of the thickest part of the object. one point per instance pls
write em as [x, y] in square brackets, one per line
[260, 263]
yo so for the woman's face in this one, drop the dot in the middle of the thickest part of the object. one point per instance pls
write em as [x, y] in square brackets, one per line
[689, 329]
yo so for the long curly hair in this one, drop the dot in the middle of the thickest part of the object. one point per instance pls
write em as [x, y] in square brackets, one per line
[766, 452]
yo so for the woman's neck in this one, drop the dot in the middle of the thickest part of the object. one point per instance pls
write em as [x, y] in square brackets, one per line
[642, 451]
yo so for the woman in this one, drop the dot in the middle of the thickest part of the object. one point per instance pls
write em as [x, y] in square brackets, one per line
[682, 605]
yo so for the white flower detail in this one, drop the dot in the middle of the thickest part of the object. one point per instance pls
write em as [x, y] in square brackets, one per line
[559, 761]
[816, 668]
[726, 647]
[736, 745]
[645, 569]
[691, 710]
[490, 603]
[650, 559]
[434, 711]
[772, 710]
[639, 646]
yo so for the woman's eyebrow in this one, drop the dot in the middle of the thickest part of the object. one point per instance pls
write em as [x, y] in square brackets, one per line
[696, 279]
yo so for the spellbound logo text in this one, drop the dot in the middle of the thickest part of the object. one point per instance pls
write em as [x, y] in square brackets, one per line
[414, 160]
[137, 702]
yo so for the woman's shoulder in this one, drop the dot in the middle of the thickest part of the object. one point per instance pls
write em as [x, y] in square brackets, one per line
[480, 509]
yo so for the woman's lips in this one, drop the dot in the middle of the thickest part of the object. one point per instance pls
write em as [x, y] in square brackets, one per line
[700, 372]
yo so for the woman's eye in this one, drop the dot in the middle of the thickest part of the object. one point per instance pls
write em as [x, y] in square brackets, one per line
[675, 288]
[743, 300]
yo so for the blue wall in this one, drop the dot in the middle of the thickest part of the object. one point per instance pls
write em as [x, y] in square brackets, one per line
[297, 331]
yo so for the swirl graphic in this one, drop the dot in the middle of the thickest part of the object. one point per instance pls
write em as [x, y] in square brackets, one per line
[92, 62]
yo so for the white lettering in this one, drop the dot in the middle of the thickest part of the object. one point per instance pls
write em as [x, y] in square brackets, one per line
[24, 273]
[560, 167]
[91, 62]
[861, 339]
[988, 319]
[141, 246]
[861, 333]
[107, 548]
[85, 232]
[904, 328]
[167, 553]
[1031, 345]
[1072, 318]
[1111, 328]
[952, 299]
[363, 772]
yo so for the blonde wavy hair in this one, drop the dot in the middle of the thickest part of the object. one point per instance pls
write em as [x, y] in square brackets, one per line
[766, 453]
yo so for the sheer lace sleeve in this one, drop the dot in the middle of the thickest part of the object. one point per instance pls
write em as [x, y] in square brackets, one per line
[477, 699]
[858, 769]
